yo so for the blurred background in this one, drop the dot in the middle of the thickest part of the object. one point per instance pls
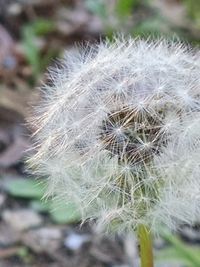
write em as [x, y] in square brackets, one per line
[33, 33]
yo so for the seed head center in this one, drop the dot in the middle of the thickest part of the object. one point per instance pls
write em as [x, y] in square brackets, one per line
[133, 136]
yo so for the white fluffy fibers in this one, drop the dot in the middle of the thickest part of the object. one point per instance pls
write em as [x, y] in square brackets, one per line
[118, 133]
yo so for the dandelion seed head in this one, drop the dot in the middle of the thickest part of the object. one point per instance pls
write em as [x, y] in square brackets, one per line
[118, 133]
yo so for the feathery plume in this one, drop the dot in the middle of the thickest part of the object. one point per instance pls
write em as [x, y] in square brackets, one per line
[118, 133]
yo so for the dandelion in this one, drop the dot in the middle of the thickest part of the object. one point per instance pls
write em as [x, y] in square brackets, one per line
[118, 133]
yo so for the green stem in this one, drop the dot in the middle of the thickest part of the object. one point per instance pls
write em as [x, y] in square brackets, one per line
[146, 250]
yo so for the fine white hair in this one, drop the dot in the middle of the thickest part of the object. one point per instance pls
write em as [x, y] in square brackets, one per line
[118, 133]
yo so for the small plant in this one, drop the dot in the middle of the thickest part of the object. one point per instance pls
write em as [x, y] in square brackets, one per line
[118, 135]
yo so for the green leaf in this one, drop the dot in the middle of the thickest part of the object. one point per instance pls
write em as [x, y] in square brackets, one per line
[25, 188]
[43, 27]
[64, 212]
[187, 253]
[193, 7]
[41, 205]
[31, 50]
[30, 33]
[170, 255]
[125, 7]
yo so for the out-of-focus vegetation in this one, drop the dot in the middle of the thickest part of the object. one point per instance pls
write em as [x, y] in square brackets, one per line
[194, 10]
[34, 191]
[32, 52]
[148, 17]
[143, 18]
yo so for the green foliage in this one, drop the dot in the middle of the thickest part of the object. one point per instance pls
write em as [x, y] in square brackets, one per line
[42, 27]
[125, 7]
[122, 7]
[64, 212]
[60, 212]
[32, 52]
[39, 205]
[120, 11]
[30, 32]
[154, 24]
[179, 252]
[25, 188]
[193, 7]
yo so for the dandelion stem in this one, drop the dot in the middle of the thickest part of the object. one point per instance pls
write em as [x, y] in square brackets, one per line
[146, 251]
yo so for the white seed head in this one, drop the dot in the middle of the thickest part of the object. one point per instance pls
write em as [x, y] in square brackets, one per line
[118, 133]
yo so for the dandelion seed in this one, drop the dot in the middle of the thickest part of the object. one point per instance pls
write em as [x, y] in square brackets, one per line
[118, 133]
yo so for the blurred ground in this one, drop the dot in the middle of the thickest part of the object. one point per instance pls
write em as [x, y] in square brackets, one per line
[32, 34]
